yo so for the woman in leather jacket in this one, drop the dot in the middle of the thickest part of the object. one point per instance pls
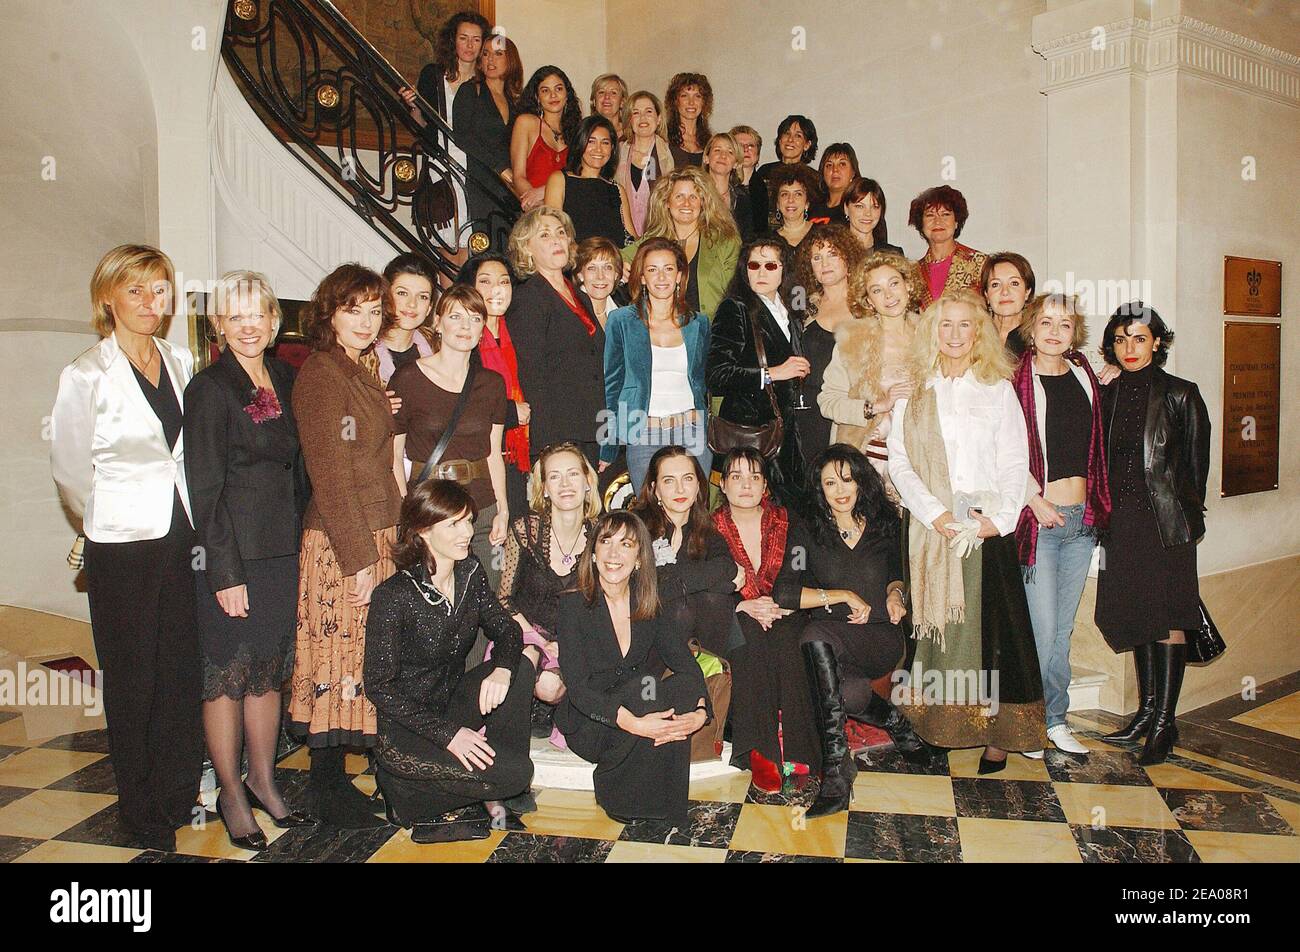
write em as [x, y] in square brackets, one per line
[1158, 441]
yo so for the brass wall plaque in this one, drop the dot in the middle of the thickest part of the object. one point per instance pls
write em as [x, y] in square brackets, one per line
[1252, 286]
[1252, 412]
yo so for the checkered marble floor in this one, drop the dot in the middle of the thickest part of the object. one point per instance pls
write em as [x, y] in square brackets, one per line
[57, 804]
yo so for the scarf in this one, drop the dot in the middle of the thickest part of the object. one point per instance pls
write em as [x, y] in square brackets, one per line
[385, 358]
[772, 532]
[499, 355]
[1096, 510]
[577, 308]
[938, 594]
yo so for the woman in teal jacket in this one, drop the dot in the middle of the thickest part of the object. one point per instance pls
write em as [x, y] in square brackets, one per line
[655, 354]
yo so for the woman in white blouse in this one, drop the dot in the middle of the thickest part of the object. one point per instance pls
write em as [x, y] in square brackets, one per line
[959, 458]
[655, 354]
[118, 457]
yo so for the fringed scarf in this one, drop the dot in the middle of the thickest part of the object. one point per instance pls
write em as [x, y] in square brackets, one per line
[776, 522]
[499, 355]
[938, 594]
[1096, 510]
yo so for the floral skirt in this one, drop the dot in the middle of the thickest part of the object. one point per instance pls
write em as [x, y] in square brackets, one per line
[327, 694]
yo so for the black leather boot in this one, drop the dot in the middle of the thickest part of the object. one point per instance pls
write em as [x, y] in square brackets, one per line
[1144, 660]
[880, 713]
[328, 800]
[1171, 661]
[838, 769]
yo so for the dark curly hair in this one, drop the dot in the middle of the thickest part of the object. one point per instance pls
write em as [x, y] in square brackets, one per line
[444, 50]
[878, 515]
[806, 127]
[837, 237]
[804, 175]
[941, 196]
[585, 130]
[431, 502]
[673, 119]
[529, 104]
[346, 286]
[1137, 312]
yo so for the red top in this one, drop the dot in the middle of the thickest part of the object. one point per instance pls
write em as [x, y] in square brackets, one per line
[542, 161]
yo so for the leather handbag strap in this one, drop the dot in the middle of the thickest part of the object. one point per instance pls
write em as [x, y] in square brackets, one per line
[762, 362]
[436, 456]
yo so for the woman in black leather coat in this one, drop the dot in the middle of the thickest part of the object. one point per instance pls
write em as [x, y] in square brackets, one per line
[1158, 437]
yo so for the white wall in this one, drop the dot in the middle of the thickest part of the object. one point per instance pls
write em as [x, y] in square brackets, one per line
[569, 34]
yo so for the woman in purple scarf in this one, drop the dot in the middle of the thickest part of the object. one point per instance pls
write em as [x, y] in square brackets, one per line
[1069, 493]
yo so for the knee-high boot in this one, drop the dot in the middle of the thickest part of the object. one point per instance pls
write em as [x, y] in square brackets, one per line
[838, 769]
[1171, 661]
[1144, 660]
[327, 796]
[881, 713]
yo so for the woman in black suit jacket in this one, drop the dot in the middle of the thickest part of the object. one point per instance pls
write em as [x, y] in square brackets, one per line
[759, 296]
[559, 345]
[247, 480]
[481, 116]
[618, 712]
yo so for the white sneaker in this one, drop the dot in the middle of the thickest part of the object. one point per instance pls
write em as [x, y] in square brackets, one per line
[1034, 754]
[1063, 738]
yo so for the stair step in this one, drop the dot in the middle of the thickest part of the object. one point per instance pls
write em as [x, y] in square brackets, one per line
[1085, 689]
[567, 771]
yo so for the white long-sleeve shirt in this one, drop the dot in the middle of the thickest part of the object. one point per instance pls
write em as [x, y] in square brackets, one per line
[987, 449]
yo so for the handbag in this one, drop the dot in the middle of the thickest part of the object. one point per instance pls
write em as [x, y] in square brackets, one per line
[725, 436]
[436, 456]
[1204, 644]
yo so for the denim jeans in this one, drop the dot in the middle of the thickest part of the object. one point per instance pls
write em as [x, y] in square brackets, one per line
[692, 436]
[1059, 573]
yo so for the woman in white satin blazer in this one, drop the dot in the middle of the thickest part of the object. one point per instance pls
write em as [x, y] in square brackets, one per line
[118, 457]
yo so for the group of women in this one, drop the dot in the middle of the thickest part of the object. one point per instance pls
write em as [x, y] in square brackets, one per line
[868, 488]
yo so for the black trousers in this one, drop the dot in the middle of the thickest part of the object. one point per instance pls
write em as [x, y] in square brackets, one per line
[146, 637]
[422, 781]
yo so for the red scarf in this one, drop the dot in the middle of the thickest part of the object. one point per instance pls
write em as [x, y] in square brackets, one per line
[772, 534]
[576, 307]
[500, 356]
[1096, 510]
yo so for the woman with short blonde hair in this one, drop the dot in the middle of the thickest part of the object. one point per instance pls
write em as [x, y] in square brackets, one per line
[527, 228]
[118, 457]
[609, 99]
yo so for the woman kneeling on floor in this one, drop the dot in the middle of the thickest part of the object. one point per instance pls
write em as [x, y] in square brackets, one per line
[432, 758]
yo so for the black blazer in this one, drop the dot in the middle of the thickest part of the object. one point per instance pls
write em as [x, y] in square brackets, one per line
[561, 366]
[247, 482]
[1175, 450]
[479, 131]
[597, 676]
[698, 595]
[431, 89]
[733, 372]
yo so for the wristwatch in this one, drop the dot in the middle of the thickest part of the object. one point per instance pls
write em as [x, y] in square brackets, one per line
[868, 411]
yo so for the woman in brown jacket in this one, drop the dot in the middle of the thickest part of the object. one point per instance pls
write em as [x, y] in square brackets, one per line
[345, 426]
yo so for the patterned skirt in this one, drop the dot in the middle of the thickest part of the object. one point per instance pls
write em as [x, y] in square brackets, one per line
[327, 696]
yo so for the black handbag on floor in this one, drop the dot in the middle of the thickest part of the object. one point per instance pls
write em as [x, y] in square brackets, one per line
[1205, 643]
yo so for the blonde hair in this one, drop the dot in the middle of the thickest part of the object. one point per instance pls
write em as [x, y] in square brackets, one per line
[617, 80]
[859, 303]
[728, 138]
[716, 224]
[121, 267]
[537, 500]
[526, 229]
[629, 102]
[235, 287]
[1068, 305]
[988, 358]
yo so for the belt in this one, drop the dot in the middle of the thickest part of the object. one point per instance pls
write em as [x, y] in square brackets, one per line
[463, 471]
[673, 420]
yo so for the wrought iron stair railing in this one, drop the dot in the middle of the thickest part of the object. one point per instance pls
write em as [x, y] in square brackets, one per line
[335, 102]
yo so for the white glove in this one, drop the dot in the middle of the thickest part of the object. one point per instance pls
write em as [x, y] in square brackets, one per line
[967, 539]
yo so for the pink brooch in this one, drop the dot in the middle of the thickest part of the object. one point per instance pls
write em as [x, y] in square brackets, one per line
[265, 406]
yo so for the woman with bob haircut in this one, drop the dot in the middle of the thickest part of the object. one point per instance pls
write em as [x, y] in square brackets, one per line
[586, 189]
[959, 458]
[447, 738]
[689, 103]
[938, 214]
[1158, 450]
[117, 454]
[1008, 284]
[599, 272]
[545, 132]
[551, 323]
[609, 99]
[247, 487]
[796, 144]
[838, 170]
[619, 711]
[685, 208]
[795, 189]
[643, 155]
[751, 145]
[655, 356]
[345, 425]
[864, 210]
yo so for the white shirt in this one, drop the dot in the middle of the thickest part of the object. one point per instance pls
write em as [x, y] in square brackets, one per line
[986, 444]
[779, 312]
[670, 384]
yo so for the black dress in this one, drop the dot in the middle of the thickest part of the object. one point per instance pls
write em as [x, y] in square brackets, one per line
[864, 652]
[817, 344]
[529, 586]
[1144, 589]
[634, 778]
[479, 130]
[596, 208]
[416, 646]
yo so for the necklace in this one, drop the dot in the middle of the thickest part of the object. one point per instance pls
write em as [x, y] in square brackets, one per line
[847, 534]
[566, 558]
[144, 371]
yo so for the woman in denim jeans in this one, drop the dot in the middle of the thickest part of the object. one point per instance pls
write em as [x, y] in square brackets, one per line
[1069, 495]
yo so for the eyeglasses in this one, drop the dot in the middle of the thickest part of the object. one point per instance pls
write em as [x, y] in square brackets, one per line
[766, 265]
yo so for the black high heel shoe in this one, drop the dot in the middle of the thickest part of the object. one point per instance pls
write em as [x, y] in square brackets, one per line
[291, 820]
[990, 766]
[255, 841]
